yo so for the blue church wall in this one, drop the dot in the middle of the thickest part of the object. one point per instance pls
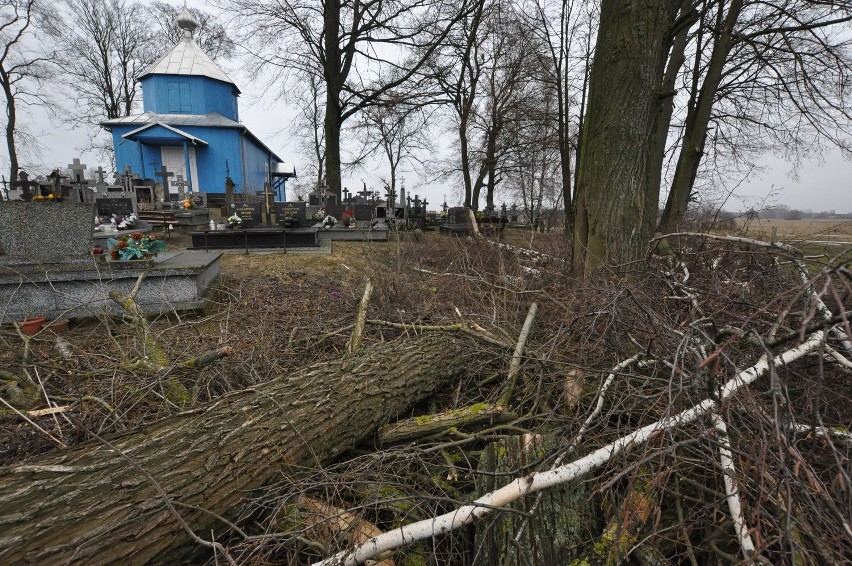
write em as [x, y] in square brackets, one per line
[223, 144]
[254, 159]
[179, 94]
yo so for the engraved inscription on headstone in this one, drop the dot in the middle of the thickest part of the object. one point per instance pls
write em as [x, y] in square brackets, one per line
[290, 214]
[122, 206]
[250, 212]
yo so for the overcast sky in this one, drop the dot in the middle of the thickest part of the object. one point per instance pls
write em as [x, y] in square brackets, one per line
[816, 186]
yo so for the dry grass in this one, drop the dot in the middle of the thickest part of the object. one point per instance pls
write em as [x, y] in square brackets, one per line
[283, 311]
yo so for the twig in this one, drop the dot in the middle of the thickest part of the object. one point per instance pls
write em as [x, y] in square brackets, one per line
[734, 239]
[515, 364]
[461, 327]
[358, 332]
[26, 418]
[726, 459]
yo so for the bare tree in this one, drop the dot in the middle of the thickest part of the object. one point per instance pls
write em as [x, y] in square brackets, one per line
[105, 44]
[765, 75]
[563, 31]
[362, 51]
[399, 134]
[22, 70]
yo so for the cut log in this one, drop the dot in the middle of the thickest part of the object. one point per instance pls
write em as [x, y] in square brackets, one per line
[88, 505]
[428, 425]
[550, 530]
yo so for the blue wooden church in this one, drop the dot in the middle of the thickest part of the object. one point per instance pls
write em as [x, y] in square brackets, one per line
[190, 125]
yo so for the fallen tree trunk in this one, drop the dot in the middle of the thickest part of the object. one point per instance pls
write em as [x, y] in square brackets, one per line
[89, 505]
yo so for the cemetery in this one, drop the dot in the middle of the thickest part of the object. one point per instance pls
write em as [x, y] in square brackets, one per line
[198, 367]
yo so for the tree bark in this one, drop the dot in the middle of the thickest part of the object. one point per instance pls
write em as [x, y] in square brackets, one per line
[88, 505]
[614, 214]
[333, 85]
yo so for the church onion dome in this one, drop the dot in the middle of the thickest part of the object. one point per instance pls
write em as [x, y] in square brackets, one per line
[186, 21]
[186, 58]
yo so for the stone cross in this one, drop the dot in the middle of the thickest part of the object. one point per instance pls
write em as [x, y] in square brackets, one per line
[165, 174]
[180, 183]
[365, 194]
[77, 169]
[100, 173]
[346, 194]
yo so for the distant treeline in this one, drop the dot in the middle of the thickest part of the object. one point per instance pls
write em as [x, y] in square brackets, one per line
[784, 212]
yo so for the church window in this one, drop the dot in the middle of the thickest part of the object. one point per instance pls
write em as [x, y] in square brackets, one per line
[179, 99]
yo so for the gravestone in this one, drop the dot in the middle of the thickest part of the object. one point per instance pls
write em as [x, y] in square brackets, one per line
[121, 204]
[76, 168]
[291, 214]
[199, 199]
[164, 174]
[334, 210]
[179, 184]
[250, 212]
[39, 232]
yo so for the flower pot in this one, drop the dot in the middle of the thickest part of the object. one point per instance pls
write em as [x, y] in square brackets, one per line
[58, 326]
[32, 325]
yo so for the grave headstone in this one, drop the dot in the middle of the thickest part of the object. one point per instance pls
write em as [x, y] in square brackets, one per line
[121, 204]
[199, 200]
[315, 198]
[250, 212]
[291, 214]
[164, 175]
[179, 184]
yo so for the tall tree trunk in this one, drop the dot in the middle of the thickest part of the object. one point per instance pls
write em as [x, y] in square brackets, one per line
[333, 86]
[11, 122]
[614, 215]
[695, 133]
[88, 505]
[465, 161]
[666, 96]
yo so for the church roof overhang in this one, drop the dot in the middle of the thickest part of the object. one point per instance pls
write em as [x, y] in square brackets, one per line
[212, 120]
[162, 134]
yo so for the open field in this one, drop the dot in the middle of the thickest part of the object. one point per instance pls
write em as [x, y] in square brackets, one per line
[798, 229]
